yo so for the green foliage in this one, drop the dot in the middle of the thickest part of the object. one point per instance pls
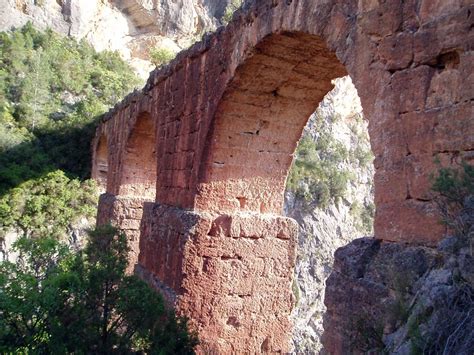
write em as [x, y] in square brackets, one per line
[417, 341]
[47, 206]
[56, 301]
[161, 56]
[52, 92]
[455, 184]
[315, 174]
[233, 6]
[322, 169]
[363, 156]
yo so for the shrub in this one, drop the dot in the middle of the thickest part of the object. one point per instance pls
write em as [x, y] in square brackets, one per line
[161, 56]
[48, 206]
[315, 174]
[233, 6]
[56, 301]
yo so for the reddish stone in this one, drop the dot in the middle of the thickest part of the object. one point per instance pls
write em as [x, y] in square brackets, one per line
[409, 221]
[214, 133]
[230, 274]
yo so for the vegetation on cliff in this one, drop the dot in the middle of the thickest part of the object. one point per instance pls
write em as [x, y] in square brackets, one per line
[161, 55]
[453, 187]
[324, 166]
[56, 301]
[233, 6]
[52, 92]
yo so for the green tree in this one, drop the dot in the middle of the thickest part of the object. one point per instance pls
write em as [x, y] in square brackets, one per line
[315, 174]
[233, 6]
[48, 206]
[53, 91]
[33, 110]
[55, 301]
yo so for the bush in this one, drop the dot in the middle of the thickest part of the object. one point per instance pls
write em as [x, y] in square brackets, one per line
[315, 174]
[454, 188]
[55, 301]
[161, 56]
[48, 206]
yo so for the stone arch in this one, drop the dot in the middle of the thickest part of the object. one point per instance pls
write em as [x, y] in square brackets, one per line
[259, 122]
[139, 164]
[231, 271]
[100, 167]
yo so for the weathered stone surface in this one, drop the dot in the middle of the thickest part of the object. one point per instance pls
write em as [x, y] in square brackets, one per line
[230, 273]
[394, 298]
[226, 152]
[126, 213]
[362, 289]
[227, 115]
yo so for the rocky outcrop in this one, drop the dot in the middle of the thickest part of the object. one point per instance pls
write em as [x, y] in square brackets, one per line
[324, 229]
[394, 298]
[131, 27]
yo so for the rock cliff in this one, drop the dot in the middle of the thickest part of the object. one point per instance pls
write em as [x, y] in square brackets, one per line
[324, 229]
[388, 297]
[131, 27]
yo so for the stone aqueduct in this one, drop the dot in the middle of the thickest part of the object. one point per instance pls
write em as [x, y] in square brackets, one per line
[194, 165]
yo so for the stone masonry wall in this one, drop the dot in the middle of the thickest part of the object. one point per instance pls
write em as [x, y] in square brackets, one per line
[231, 274]
[227, 115]
[402, 57]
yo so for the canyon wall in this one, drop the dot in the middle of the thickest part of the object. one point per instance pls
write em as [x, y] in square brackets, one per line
[131, 27]
[226, 117]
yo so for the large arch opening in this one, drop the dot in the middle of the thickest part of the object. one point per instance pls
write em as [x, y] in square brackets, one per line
[260, 120]
[139, 167]
[329, 193]
[249, 152]
[101, 164]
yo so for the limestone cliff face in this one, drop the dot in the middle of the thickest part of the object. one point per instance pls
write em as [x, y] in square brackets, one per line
[131, 27]
[323, 230]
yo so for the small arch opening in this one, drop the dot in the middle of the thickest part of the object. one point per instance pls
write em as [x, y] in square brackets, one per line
[138, 178]
[101, 166]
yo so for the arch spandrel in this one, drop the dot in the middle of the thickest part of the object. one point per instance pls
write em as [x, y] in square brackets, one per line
[259, 121]
[386, 48]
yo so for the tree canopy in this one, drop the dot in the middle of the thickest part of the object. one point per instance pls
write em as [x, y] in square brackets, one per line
[53, 91]
[53, 300]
